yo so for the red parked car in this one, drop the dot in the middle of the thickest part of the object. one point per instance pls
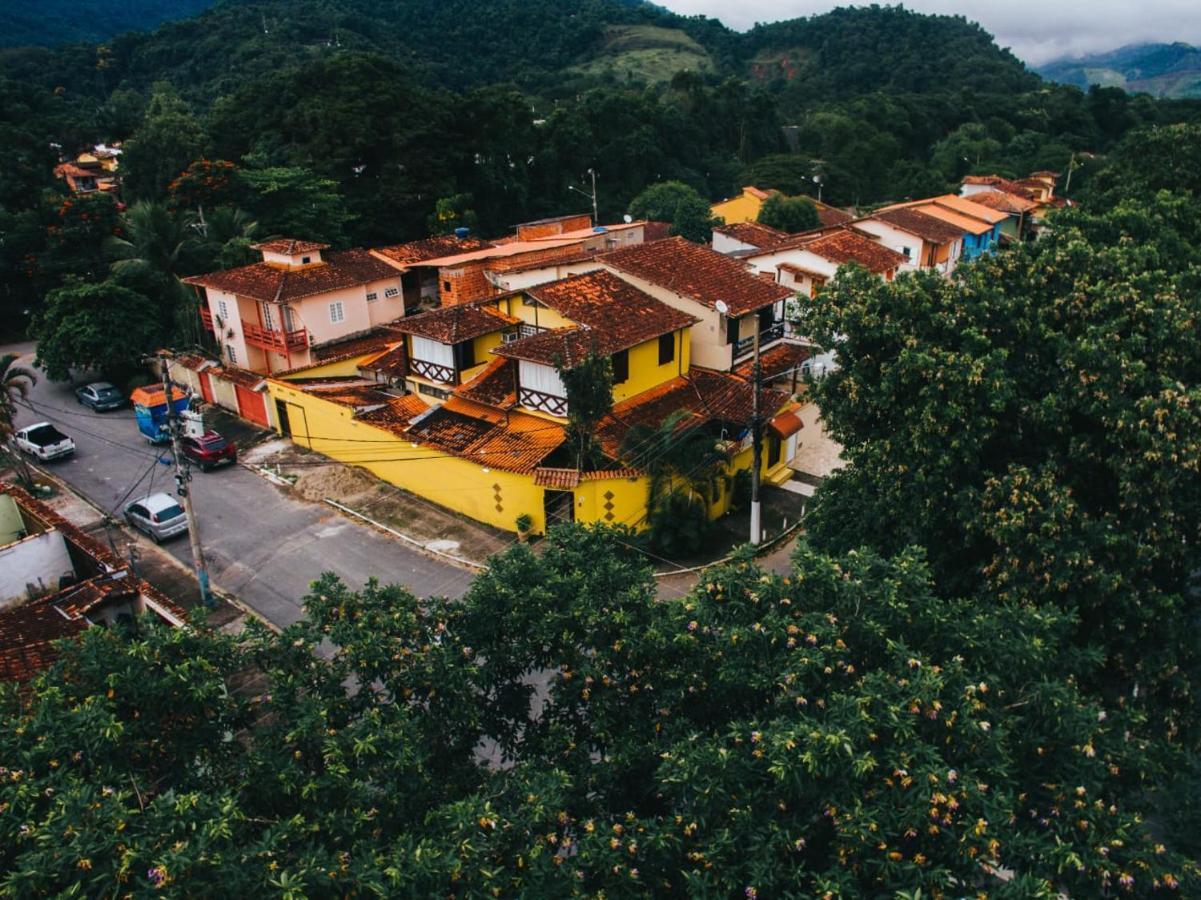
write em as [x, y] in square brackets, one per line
[209, 451]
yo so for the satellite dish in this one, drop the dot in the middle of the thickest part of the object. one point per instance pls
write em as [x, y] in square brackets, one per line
[628, 218]
[721, 307]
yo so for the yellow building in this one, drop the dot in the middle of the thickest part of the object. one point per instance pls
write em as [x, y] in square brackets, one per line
[467, 407]
[743, 208]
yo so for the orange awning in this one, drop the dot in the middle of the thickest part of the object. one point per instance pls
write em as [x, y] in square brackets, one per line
[786, 424]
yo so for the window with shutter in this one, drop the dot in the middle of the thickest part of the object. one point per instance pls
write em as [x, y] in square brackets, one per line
[667, 348]
[621, 366]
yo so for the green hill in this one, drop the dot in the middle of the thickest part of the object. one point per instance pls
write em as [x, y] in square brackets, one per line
[49, 22]
[1161, 70]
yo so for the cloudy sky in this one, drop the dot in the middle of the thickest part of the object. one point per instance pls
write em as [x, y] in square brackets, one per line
[1036, 30]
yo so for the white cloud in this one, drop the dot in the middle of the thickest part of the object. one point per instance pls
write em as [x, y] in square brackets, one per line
[1036, 30]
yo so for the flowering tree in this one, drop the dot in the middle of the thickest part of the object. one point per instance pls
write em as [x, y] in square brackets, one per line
[561, 731]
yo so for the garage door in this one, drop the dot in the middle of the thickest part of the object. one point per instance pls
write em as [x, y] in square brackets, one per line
[252, 405]
[206, 387]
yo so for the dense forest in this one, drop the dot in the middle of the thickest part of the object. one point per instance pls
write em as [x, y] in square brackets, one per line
[367, 114]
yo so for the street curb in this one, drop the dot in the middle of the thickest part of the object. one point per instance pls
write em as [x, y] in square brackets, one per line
[158, 551]
[461, 561]
[760, 551]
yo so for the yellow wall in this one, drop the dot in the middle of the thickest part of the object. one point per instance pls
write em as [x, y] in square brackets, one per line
[629, 496]
[645, 371]
[743, 208]
[330, 429]
[542, 316]
[344, 368]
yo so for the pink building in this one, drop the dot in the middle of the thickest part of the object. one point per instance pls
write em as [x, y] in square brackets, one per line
[277, 314]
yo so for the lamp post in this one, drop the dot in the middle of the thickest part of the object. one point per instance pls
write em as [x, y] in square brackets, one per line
[572, 187]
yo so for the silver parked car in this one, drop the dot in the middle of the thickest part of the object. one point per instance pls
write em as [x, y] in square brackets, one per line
[100, 396]
[159, 515]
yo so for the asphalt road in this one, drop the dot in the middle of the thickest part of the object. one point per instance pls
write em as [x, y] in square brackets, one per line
[262, 545]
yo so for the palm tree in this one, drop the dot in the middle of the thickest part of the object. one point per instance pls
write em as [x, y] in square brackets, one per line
[671, 455]
[228, 234]
[15, 382]
[157, 243]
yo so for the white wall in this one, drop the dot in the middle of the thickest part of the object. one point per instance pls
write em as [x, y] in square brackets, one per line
[723, 243]
[896, 239]
[40, 560]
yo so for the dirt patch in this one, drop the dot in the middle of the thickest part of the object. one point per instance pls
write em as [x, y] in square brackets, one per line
[341, 482]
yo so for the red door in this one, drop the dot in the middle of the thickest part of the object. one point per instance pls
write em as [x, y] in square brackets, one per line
[206, 387]
[251, 405]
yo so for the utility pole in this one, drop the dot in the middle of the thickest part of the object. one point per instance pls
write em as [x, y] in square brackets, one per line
[182, 477]
[1071, 168]
[595, 213]
[757, 449]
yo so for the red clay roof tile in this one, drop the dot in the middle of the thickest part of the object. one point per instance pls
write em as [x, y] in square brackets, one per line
[263, 281]
[697, 272]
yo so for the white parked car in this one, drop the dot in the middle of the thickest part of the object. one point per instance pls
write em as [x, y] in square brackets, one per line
[44, 441]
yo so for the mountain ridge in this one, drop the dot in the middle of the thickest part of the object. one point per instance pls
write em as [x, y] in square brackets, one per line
[1171, 70]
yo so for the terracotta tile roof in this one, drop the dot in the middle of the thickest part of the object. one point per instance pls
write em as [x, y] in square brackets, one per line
[250, 380]
[601, 300]
[263, 281]
[610, 315]
[697, 272]
[965, 223]
[831, 215]
[656, 231]
[776, 361]
[27, 634]
[759, 193]
[494, 386]
[919, 224]
[452, 324]
[969, 207]
[416, 252]
[847, 246]
[703, 396]
[517, 264]
[1006, 185]
[516, 443]
[396, 415]
[755, 234]
[1004, 202]
[393, 363]
[501, 249]
[356, 393]
[378, 338]
[562, 479]
[1045, 173]
[289, 247]
[193, 361]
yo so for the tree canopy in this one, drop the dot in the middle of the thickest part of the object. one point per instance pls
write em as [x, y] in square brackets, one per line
[842, 730]
[791, 214]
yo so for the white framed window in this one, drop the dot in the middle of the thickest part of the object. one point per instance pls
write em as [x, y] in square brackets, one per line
[289, 319]
[372, 296]
[392, 292]
[223, 310]
[336, 312]
[268, 317]
[231, 353]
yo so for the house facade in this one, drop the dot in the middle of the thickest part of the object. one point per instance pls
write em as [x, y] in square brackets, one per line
[277, 314]
[468, 408]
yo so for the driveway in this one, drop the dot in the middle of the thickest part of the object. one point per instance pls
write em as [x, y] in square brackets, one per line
[262, 545]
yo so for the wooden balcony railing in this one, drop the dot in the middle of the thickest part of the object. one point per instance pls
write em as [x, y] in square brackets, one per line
[434, 371]
[537, 400]
[206, 318]
[276, 341]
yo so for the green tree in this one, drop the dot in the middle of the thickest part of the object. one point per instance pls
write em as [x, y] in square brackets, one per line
[77, 236]
[1034, 426]
[293, 202]
[679, 204]
[589, 385]
[168, 140]
[451, 213]
[791, 214]
[785, 172]
[101, 327]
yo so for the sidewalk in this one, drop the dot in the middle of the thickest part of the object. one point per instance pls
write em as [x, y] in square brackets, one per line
[317, 478]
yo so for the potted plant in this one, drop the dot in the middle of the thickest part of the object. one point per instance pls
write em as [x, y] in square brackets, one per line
[525, 522]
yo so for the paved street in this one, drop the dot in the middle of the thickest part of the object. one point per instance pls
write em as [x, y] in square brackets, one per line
[263, 546]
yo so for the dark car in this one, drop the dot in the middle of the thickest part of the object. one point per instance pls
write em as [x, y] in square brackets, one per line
[209, 450]
[100, 396]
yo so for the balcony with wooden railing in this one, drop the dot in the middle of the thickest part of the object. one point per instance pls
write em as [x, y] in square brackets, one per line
[542, 402]
[434, 371]
[275, 341]
[767, 335]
